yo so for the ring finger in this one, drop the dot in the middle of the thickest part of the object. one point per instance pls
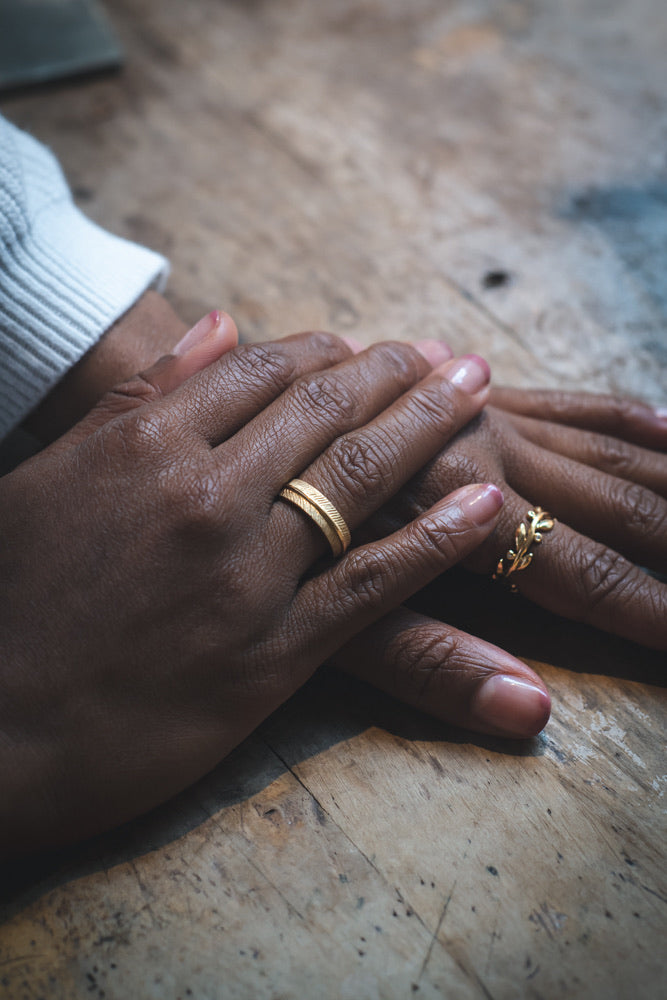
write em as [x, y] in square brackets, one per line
[578, 578]
[366, 466]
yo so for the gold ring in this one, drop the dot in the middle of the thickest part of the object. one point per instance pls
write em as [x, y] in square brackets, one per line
[521, 556]
[321, 511]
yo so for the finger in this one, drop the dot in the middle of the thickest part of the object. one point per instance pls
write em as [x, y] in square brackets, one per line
[315, 410]
[222, 398]
[448, 673]
[607, 454]
[569, 575]
[590, 582]
[365, 583]
[363, 468]
[627, 419]
[205, 343]
[573, 576]
[624, 515]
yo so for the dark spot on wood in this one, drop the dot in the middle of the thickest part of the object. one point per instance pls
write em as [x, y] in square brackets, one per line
[415, 987]
[635, 914]
[492, 870]
[360, 952]
[378, 928]
[394, 913]
[435, 764]
[360, 902]
[496, 279]
[342, 878]
[548, 812]
[608, 915]
[363, 939]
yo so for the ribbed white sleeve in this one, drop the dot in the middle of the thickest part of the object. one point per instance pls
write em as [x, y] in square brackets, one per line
[63, 280]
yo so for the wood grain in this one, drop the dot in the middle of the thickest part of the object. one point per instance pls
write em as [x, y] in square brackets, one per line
[490, 173]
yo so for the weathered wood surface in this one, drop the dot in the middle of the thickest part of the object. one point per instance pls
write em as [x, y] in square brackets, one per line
[494, 173]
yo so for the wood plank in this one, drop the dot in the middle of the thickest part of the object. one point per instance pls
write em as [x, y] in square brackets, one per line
[492, 173]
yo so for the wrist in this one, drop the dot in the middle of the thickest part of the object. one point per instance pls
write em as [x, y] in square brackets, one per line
[144, 333]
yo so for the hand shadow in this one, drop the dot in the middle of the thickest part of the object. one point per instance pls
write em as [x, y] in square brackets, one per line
[487, 609]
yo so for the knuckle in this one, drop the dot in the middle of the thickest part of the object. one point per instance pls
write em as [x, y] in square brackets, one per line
[621, 410]
[605, 574]
[432, 535]
[325, 397]
[264, 363]
[434, 404]
[361, 463]
[199, 504]
[330, 346]
[401, 359]
[616, 457]
[454, 468]
[642, 511]
[364, 580]
[427, 657]
[143, 433]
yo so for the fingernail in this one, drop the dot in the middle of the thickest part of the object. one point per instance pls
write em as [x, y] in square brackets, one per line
[198, 333]
[481, 503]
[355, 345]
[469, 373]
[512, 705]
[661, 414]
[435, 351]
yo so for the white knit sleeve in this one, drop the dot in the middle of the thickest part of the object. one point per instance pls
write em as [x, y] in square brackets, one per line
[63, 280]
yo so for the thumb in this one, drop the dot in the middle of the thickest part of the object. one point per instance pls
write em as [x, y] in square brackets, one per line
[207, 341]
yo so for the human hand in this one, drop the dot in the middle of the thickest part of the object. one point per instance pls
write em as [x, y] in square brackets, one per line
[163, 602]
[608, 490]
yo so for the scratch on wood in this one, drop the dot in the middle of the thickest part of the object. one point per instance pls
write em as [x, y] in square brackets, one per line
[435, 934]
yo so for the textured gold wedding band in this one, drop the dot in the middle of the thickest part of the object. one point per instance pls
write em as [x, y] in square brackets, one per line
[321, 511]
[521, 556]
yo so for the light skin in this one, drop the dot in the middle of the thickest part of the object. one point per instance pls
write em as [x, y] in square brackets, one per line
[165, 601]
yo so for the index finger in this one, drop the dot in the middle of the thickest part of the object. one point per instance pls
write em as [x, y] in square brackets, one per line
[222, 398]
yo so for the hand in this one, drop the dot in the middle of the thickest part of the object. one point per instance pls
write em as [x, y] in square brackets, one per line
[608, 495]
[163, 601]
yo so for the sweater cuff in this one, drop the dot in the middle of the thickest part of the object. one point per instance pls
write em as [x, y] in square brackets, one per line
[69, 282]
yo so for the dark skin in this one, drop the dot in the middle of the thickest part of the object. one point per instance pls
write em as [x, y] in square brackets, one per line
[610, 457]
[164, 600]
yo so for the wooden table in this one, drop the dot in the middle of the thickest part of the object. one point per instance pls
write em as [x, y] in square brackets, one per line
[494, 173]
